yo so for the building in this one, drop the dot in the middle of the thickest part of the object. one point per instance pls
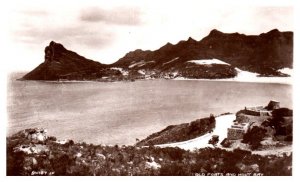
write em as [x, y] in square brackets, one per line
[237, 131]
[257, 111]
[262, 111]
[241, 126]
[273, 105]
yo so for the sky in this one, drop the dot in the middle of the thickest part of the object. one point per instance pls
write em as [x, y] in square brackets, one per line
[106, 30]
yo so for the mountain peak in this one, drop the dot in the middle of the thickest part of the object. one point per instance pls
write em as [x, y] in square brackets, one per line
[190, 39]
[56, 45]
[167, 45]
[59, 62]
[274, 31]
[215, 32]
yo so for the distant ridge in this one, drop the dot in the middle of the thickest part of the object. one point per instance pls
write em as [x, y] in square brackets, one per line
[264, 54]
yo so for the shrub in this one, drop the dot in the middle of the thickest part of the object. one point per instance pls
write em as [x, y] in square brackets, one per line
[254, 137]
[226, 143]
[282, 112]
[60, 164]
[174, 169]
[52, 138]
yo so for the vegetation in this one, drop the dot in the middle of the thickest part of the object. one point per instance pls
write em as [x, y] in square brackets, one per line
[254, 137]
[181, 132]
[88, 159]
[282, 121]
[280, 124]
[213, 71]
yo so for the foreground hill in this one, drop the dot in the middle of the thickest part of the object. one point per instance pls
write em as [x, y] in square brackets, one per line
[181, 132]
[32, 152]
[264, 54]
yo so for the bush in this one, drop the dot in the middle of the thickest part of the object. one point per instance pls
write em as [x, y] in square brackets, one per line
[52, 138]
[175, 169]
[289, 138]
[226, 143]
[254, 137]
[282, 125]
[282, 112]
[60, 164]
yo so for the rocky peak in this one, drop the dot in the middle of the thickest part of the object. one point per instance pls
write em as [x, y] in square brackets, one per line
[215, 32]
[274, 31]
[135, 53]
[53, 50]
[56, 45]
[59, 62]
[191, 40]
[271, 34]
[167, 46]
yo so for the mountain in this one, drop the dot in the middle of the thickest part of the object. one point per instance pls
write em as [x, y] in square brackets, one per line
[62, 63]
[218, 55]
[263, 54]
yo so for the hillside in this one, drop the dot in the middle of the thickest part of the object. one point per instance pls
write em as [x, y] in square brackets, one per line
[62, 63]
[32, 152]
[181, 132]
[265, 54]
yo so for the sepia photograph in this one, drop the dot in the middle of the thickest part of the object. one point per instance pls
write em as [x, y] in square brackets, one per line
[148, 88]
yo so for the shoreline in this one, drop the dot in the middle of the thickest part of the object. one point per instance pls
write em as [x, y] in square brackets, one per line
[278, 80]
[271, 80]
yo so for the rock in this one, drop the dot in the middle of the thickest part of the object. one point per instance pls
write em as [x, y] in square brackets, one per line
[62, 142]
[34, 161]
[101, 156]
[31, 149]
[241, 166]
[78, 154]
[36, 135]
[254, 168]
[152, 165]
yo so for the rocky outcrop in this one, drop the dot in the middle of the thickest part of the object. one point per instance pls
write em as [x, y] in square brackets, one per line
[60, 63]
[34, 135]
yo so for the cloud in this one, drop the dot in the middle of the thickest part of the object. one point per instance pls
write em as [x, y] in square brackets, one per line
[119, 16]
[73, 34]
[34, 13]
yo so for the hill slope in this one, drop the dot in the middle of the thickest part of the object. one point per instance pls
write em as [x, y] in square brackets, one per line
[264, 54]
[62, 63]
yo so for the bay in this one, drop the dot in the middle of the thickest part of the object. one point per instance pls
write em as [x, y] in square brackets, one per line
[119, 112]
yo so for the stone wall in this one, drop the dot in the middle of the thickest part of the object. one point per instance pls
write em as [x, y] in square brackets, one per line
[235, 133]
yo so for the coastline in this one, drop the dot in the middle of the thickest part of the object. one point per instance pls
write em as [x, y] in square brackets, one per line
[242, 76]
[33, 152]
[275, 80]
[279, 80]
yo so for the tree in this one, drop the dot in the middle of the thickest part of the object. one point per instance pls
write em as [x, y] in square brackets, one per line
[254, 137]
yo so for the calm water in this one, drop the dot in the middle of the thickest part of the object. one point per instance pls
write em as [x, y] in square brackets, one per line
[118, 113]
